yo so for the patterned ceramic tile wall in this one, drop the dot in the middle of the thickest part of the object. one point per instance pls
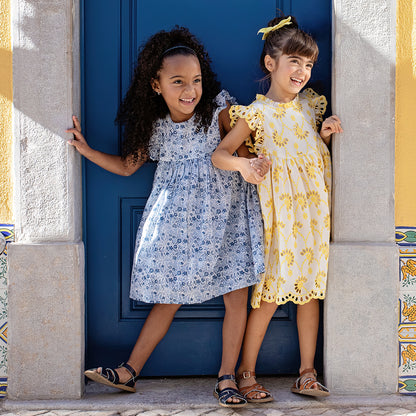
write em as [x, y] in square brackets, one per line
[406, 239]
[6, 236]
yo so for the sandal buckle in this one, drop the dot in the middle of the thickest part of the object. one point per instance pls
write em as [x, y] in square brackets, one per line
[247, 374]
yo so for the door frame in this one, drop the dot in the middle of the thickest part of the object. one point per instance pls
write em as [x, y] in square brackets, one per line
[363, 253]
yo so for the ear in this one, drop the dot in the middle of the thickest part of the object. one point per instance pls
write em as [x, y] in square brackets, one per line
[270, 63]
[155, 85]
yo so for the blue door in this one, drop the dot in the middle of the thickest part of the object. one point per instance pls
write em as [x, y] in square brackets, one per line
[112, 32]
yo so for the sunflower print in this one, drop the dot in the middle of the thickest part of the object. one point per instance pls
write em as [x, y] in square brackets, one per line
[299, 132]
[279, 140]
[295, 197]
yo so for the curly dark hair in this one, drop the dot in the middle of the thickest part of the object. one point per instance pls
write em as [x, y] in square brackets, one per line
[288, 40]
[142, 107]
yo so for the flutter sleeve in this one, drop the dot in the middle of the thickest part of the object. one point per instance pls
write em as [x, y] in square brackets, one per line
[224, 98]
[318, 103]
[255, 119]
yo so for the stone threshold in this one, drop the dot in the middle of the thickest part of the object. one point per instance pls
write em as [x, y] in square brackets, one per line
[196, 393]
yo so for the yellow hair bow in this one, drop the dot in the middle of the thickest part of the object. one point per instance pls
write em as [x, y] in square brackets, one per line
[266, 30]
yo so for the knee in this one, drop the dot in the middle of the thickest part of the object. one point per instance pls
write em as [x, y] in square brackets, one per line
[266, 308]
[236, 300]
[166, 309]
[311, 306]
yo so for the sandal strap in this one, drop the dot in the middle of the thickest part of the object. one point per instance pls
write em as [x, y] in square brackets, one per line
[226, 377]
[308, 370]
[222, 378]
[301, 385]
[110, 375]
[130, 369]
[308, 382]
[245, 375]
[229, 393]
[254, 388]
[322, 387]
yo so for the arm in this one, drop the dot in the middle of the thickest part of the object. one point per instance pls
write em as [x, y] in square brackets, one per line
[225, 127]
[223, 157]
[112, 163]
[330, 125]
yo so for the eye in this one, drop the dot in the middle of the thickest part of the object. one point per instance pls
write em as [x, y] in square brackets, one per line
[177, 81]
[197, 81]
[309, 66]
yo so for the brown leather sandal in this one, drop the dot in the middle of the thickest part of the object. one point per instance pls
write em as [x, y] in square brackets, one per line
[253, 389]
[304, 385]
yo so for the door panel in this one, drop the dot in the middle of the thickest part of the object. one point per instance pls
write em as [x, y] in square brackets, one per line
[112, 32]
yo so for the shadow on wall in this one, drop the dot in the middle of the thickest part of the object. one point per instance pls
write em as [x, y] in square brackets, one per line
[38, 69]
[48, 172]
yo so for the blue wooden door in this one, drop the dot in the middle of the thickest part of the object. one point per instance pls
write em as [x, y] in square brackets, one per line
[112, 32]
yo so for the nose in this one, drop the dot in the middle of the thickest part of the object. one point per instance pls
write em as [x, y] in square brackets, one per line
[189, 87]
[302, 69]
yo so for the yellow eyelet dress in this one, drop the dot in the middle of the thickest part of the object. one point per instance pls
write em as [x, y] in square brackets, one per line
[294, 197]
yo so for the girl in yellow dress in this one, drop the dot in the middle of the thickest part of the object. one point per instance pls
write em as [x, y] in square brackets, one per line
[294, 197]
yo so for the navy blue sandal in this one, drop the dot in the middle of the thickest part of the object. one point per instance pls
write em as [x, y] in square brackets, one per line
[109, 377]
[228, 393]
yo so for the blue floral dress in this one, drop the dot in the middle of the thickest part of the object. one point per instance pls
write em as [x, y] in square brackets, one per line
[201, 231]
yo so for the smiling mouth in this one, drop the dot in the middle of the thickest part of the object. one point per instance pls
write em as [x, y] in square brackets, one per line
[187, 100]
[297, 81]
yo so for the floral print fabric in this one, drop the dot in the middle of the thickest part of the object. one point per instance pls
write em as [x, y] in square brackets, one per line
[294, 197]
[201, 233]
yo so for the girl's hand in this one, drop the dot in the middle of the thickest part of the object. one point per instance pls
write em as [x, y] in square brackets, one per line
[329, 126]
[261, 164]
[250, 171]
[78, 141]
[113, 163]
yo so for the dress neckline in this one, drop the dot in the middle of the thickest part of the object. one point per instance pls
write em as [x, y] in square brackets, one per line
[178, 123]
[293, 103]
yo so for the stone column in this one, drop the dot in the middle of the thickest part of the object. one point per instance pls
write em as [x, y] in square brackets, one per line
[46, 264]
[361, 308]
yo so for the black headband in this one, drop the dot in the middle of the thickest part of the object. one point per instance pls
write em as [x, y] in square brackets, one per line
[179, 47]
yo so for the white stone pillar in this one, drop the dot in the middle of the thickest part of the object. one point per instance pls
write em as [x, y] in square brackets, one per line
[361, 308]
[46, 264]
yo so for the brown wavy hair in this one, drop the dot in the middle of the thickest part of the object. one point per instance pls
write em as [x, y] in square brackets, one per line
[142, 107]
[288, 40]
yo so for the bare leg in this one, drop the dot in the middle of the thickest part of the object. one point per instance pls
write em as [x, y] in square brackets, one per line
[232, 334]
[154, 329]
[258, 322]
[308, 325]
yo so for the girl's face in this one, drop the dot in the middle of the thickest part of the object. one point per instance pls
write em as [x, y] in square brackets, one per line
[289, 74]
[180, 83]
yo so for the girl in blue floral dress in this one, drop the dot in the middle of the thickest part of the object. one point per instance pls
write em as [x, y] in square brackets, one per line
[201, 232]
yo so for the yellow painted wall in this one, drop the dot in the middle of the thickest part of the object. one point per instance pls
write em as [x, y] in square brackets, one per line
[6, 96]
[406, 114]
